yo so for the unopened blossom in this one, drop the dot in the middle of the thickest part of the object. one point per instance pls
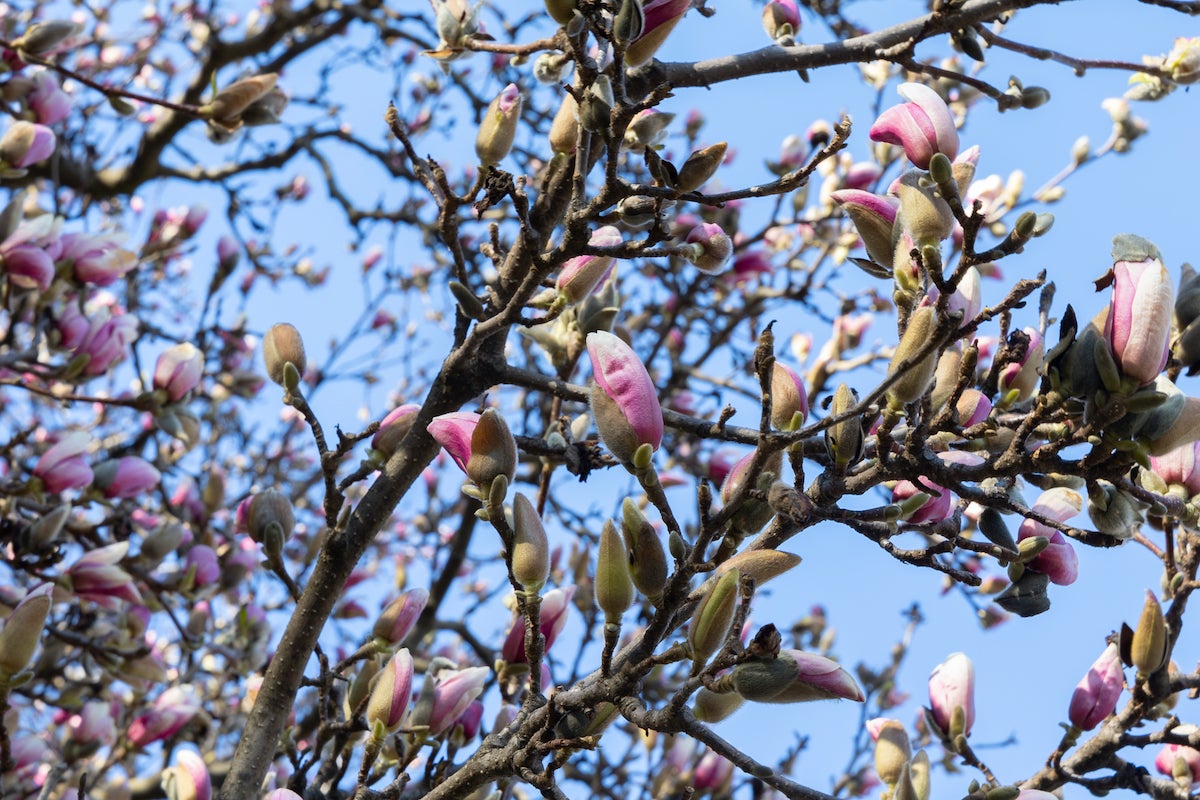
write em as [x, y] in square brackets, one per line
[794, 676]
[125, 477]
[48, 102]
[26, 143]
[201, 560]
[624, 398]
[391, 692]
[951, 688]
[713, 773]
[453, 692]
[173, 709]
[498, 128]
[661, 17]
[97, 576]
[480, 444]
[1180, 761]
[1180, 467]
[27, 266]
[781, 20]
[97, 259]
[21, 631]
[188, 779]
[1058, 561]
[648, 128]
[1020, 376]
[394, 427]
[789, 398]
[400, 615]
[1096, 695]
[94, 724]
[107, 340]
[1139, 320]
[711, 247]
[923, 126]
[64, 466]
[581, 274]
[874, 217]
[178, 370]
[556, 607]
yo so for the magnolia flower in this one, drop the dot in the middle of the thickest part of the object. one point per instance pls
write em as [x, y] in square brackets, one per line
[1180, 761]
[923, 126]
[1180, 467]
[188, 779]
[480, 444]
[63, 466]
[952, 692]
[178, 370]
[400, 615]
[125, 477]
[48, 102]
[173, 709]
[1096, 695]
[660, 18]
[97, 577]
[391, 692]
[97, 259]
[1058, 561]
[1139, 320]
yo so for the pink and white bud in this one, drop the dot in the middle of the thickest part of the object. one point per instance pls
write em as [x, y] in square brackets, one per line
[26, 143]
[1021, 376]
[1096, 695]
[97, 259]
[923, 126]
[711, 247]
[1139, 319]
[188, 779]
[173, 709]
[63, 466]
[951, 692]
[1180, 761]
[452, 693]
[795, 676]
[713, 773]
[498, 128]
[874, 217]
[391, 692]
[973, 407]
[27, 266]
[228, 253]
[1058, 561]
[125, 477]
[556, 608]
[23, 629]
[48, 102]
[399, 617]
[202, 562]
[96, 576]
[781, 20]
[921, 506]
[581, 274]
[789, 398]
[1180, 467]
[624, 399]
[394, 427]
[107, 341]
[660, 18]
[95, 724]
[178, 370]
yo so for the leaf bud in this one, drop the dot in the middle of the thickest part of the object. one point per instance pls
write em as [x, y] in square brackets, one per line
[844, 440]
[647, 560]
[628, 22]
[700, 166]
[915, 377]
[713, 617]
[1148, 651]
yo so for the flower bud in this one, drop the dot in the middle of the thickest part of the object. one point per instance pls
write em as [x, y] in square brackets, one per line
[1113, 511]
[789, 399]
[700, 166]
[270, 517]
[399, 617]
[178, 371]
[393, 428]
[661, 17]
[1057, 560]
[493, 450]
[561, 11]
[648, 128]
[1148, 651]
[916, 376]
[628, 22]
[844, 440]
[43, 37]
[711, 247]
[498, 128]
[391, 692]
[781, 21]
[564, 129]
[125, 477]
[874, 217]
[713, 617]
[1096, 695]
[923, 126]
[614, 586]
[710, 706]
[1019, 377]
[647, 559]
[1139, 321]
[952, 694]
[923, 212]
[623, 397]
[281, 346]
[1180, 761]
[26, 143]
[229, 103]
[893, 750]
[794, 677]
[453, 692]
[64, 466]
[23, 629]
[596, 112]
[188, 779]
[581, 274]
[530, 549]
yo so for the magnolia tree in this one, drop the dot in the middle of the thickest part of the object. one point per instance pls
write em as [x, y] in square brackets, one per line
[530, 567]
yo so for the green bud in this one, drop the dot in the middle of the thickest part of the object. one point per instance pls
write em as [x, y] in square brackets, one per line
[919, 772]
[493, 450]
[498, 127]
[629, 21]
[564, 129]
[614, 586]
[923, 212]
[42, 37]
[270, 509]
[1148, 650]
[647, 559]
[1026, 596]
[994, 529]
[1004, 793]
[893, 749]
[710, 706]
[561, 10]
[844, 441]
[468, 303]
[676, 545]
[22, 631]
[713, 617]
[1031, 547]
[915, 378]
[940, 169]
[1033, 97]
[761, 565]
[904, 786]
[282, 345]
[530, 549]
[1024, 226]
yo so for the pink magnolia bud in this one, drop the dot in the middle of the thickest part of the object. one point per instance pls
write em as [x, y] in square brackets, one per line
[391, 692]
[951, 688]
[282, 345]
[283, 794]
[228, 253]
[498, 128]
[874, 217]
[27, 266]
[26, 143]
[173, 709]
[481, 444]
[973, 407]
[97, 577]
[178, 370]
[202, 561]
[63, 466]
[1180, 761]
[188, 779]
[1058, 561]
[661, 17]
[1021, 376]
[713, 773]
[794, 677]
[624, 399]
[923, 126]
[929, 510]
[556, 607]
[95, 724]
[107, 341]
[1139, 320]
[125, 477]
[399, 617]
[581, 274]
[452, 694]
[781, 20]
[711, 247]
[1180, 467]
[22, 630]
[97, 259]
[394, 427]
[48, 102]
[1096, 695]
